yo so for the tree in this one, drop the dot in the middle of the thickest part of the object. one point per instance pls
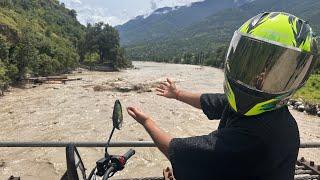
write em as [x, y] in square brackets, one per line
[4, 80]
[73, 13]
[26, 52]
[104, 40]
[176, 60]
[4, 52]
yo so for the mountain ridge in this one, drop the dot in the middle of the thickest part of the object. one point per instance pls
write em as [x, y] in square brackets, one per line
[217, 29]
[167, 20]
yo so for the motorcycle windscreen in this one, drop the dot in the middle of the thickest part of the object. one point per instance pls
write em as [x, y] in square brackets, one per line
[267, 66]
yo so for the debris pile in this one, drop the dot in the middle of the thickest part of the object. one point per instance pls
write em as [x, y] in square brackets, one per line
[312, 109]
[50, 80]
[121, 86]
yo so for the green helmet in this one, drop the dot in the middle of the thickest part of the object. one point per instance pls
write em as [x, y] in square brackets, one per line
[269, 58]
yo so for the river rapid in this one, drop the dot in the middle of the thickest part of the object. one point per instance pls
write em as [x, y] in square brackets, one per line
[76, 112]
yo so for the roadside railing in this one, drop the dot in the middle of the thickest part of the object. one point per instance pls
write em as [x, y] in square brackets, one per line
[80, 144]
[112, 144]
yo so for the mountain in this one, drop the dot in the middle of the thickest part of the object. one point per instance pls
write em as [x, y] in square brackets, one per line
[216, 30]
[167, 20]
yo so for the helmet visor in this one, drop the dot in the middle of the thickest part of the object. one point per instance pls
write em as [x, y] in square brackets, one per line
[267, 66]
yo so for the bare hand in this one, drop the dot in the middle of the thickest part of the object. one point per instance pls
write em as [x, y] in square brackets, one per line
[138, 115]
[168, 89]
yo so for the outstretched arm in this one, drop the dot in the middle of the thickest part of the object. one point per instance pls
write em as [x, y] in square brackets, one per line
[160, 138]
[169, 90]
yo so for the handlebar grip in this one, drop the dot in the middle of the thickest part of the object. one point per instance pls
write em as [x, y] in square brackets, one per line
[130, 153]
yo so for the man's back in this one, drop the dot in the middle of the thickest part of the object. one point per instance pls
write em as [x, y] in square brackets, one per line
[256, 147]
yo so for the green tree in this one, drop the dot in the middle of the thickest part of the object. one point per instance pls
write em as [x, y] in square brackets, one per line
[102, 39]
[26, 52]
[4, 80]
[73, 13]
[217, 58]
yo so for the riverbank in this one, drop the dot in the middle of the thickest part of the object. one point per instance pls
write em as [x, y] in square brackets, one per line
[311, 91]
[81, 111]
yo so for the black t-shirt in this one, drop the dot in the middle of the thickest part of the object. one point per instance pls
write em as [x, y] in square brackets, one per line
[262, 147]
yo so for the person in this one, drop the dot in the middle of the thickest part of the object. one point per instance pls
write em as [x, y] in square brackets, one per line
[257, 137]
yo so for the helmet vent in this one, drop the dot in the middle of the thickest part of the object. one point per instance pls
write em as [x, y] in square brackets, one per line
[259, 18]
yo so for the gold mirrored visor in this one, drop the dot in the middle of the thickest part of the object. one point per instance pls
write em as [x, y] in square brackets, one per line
[267, 66]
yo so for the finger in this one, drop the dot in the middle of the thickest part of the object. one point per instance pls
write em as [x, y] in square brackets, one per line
[169, 81]
[160, 94]
[168, 169]
[131, 111]
[161, 87]
[130, 108]
[160, 90]
[131, 114]
[134, 110]
[165, 84]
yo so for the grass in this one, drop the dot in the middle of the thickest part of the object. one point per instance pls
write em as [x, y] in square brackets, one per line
[311, 91]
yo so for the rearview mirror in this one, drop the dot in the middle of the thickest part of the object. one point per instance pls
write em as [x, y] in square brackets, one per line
[117, 116]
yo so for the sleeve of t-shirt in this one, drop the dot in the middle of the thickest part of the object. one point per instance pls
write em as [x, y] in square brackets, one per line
[213, 155]
[213, 105]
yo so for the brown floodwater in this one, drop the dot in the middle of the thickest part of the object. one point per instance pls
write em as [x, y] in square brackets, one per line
[75, 112]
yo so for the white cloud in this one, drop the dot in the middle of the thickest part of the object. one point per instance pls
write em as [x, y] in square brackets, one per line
[87, 14]
[115, 12]
[172, 3]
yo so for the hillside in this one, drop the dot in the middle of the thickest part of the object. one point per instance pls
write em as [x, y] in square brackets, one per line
[216, 30]
[165, 21]
[37, 38]
[47, 18]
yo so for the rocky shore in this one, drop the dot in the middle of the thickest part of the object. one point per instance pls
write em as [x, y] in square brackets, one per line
[301, 106]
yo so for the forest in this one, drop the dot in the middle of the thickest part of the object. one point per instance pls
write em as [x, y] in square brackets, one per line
[41, 38]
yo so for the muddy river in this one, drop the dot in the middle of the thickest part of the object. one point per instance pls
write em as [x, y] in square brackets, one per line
[81, 111]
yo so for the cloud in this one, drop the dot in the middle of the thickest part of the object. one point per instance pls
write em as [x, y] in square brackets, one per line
[69, 3]
[76, 1]
[172, 3]
[91, 15]
[113, 12]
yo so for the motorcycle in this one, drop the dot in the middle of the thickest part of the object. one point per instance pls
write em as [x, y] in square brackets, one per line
[107, 166]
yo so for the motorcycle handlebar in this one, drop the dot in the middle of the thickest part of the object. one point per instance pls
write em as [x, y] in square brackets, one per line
[129, 154]
[122, 161]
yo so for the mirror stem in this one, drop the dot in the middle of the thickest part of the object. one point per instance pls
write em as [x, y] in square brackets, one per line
[109, 139]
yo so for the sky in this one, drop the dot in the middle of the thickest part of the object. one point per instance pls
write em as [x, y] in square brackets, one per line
[116, 12]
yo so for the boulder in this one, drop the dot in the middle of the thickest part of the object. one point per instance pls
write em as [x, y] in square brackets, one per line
[298, 103]
[311, 108]
[301, 108]
[292, 102]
